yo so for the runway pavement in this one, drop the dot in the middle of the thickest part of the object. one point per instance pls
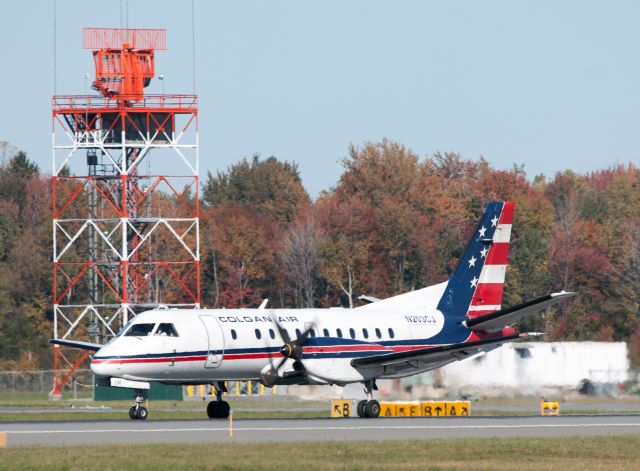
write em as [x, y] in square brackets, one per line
[289, 430]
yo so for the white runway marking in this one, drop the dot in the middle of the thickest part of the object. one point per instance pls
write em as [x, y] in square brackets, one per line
[271, 429]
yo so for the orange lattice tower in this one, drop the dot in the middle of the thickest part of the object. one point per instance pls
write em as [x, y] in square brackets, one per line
[125, 197]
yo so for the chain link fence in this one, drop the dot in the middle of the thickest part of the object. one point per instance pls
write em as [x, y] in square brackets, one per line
[79, 385]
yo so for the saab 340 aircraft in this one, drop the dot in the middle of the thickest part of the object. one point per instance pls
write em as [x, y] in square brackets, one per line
[390, 338]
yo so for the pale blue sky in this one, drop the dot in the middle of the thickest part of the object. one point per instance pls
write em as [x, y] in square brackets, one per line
[548, 84]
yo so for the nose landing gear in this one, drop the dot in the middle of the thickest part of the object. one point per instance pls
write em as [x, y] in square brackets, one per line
[369, 408]
[219, 409]
[138, 411]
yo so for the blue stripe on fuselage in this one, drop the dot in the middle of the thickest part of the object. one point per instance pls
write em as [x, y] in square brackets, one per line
[313, 342]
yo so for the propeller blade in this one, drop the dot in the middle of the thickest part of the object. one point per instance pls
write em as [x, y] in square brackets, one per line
[270, 377]
[290, 349]
[282, 331]
[303, 339]
[298, 343]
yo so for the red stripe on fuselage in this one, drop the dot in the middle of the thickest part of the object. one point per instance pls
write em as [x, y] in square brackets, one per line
[249, 356]
[263, 355]
[343, 348]
[112, 361]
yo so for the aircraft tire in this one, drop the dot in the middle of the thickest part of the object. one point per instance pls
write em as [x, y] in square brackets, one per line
[224, 410]
[213, 411]
[372, 409]
[132, 413]
[361, 405]
[142, 413]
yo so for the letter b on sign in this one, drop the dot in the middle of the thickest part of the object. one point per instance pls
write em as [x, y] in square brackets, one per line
[340, 408]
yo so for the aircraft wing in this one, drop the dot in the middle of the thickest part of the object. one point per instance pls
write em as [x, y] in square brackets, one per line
[505, 317]
[77, 344]
[441, 354]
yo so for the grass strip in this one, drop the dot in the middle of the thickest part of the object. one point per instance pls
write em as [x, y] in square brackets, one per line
[567, 453]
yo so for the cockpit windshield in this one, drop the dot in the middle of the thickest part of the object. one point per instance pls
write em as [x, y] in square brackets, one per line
[124, 328]
[140, 330]
[167, 330]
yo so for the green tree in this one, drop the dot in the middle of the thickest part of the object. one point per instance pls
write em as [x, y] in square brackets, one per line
[269, 187]
[14, 178]
[25, 265]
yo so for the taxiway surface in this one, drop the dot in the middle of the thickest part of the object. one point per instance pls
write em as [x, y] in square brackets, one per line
[289, 430]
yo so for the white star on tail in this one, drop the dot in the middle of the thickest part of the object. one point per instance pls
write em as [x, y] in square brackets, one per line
[474, 282]
[483, 252]
[472, 261]
[482, 231]
[494, 221]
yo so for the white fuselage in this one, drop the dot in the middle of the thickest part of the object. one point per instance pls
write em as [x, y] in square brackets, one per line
[239, 344]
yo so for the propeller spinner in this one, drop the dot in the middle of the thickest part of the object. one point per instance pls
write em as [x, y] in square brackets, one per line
[292, 349]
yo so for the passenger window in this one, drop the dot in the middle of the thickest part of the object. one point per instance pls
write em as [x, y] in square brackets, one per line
[339, 333]
[166, 330]
[391, 334]
[233, 334]
[325, 332]
[378, 333]
[140, 330]
[258, 334]
[272, 334]
[352, 333]
[365, 333]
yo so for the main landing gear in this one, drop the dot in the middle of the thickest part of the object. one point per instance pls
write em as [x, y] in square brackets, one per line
[218, 409]
[369, 408]
[138, 411]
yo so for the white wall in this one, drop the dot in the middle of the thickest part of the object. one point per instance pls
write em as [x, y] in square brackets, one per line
[549, 364]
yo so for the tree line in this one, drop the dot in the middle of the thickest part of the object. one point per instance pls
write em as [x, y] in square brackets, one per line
[394, 222]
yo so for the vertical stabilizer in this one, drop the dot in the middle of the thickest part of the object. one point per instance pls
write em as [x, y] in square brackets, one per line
[475, 286]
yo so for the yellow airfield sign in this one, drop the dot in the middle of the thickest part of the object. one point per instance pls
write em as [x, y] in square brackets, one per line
[340, 408]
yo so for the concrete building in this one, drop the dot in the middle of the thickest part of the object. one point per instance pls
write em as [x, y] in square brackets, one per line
[530, 367]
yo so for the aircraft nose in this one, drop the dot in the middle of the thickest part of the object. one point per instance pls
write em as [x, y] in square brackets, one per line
[103, 364]
[101, 368]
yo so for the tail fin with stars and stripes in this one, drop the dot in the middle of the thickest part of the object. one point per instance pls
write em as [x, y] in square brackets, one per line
[475, 286]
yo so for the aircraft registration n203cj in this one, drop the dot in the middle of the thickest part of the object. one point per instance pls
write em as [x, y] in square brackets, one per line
[389, 338]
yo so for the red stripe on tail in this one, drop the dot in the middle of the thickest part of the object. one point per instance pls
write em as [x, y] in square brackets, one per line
[498, 254]
[487, 294]
[506, 217]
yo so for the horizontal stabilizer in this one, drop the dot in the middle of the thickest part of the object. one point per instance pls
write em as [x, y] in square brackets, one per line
[77, 344]
[369, 299]
[433, 355]
[505, 317]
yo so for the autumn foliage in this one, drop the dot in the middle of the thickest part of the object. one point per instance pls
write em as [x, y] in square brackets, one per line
[394, 222]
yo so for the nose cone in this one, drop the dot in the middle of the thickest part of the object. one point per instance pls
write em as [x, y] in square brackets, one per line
[103, 364]
[101, 369]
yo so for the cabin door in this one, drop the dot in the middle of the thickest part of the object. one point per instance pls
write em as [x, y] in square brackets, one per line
[216, 341]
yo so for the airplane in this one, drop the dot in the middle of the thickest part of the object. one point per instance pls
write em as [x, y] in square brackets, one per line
[387, 338]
